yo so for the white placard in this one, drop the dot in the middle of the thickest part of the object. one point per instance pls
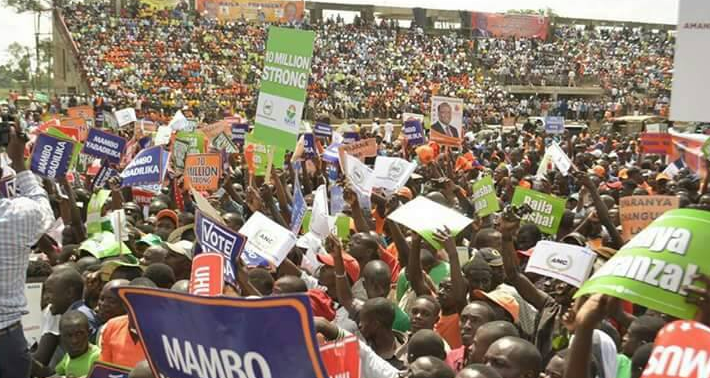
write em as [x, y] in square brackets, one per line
[560, 159]
[392, 173]
[690, 78]
[360, 175]
[565, 262]
[125, 116]
[162, 137]
[267, 238]
[425, 216]
[32, 322]
[320, 212]
[179, 122]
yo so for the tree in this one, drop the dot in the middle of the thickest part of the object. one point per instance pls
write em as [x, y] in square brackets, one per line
[19, 63]
[28, 5]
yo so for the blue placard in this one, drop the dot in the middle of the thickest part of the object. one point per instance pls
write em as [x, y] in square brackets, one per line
[186, 336]
[337, 199]
[350, 137]
[105, 173]
[298, 210]
[104, 370]
[239, 130]
[554, 125]
[147, 168]
[331, 154]
[323, 129]
[309, 145]
[214, 237]
[104, 145]
[413, 132]
[51, 157]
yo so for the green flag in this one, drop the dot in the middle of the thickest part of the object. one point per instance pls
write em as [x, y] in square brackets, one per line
[287, 68]
[653, 267]
[547, 209]
[484, 197]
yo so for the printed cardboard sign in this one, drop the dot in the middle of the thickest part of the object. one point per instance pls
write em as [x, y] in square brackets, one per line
[652, 269]
[413, 131]
[32, 321]
[104, 145]
[186, 336]
[147, 168]
[103, 370]
[680, 350]
[52, 156]
[360, 149]
[392, 173]
[656, 143]
[360, 175]
[410, 215]
[239, 131]
[84, 111]
[125, 116]
[560, 159]
[322, 129]
[207, 277]
[446, 120]
[222, 142]
[213, 236]
[266, 240]
[484, 197]
[547, 210]
[554, 125]
[203, 171]
[565, 262]
[342, 358]
[637, 212]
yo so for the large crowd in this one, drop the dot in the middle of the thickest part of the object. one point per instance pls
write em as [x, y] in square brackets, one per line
[442, 304]
[165, 60]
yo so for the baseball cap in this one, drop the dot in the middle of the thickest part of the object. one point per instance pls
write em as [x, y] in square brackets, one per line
[183, 247]
[167, 213]
[491, 255]
[352, 268]
[150, 239]
[502, 299]
[108, 267]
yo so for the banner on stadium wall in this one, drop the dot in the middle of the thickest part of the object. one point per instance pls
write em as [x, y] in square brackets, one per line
[654, 267]
[486, 25]
[161, 4]
[226, 337]
[268, 10]
[287, 67]
[690, 79]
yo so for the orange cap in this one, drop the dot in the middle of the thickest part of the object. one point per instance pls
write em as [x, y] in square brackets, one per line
[502, 299]
[425, 154]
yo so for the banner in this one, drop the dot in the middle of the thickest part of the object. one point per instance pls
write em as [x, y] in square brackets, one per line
[309, 145]
[656, 143]
[287, 68]
[214, 236]
[488, 25]
[484, 197]
[203, 171]
[224, 143]
[259, 10]
[342, 358]
[207, 277]
[102, 145]
[652, 269]
[185, 336]
[52, 156]
[125, 116]
[689, 80]
[547, 209]
[411, 215]
[392, 173]
[564, 262]
[637, 212]
[266, 241]
[360, 150]
[446, 120]
[413, 132]
[554, 125]
[239, 130]
[161, 4]
[147, 168]
[680, 350]
[103, 370]
[323, 130]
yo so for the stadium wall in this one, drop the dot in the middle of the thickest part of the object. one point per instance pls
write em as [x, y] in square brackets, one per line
[69, 75]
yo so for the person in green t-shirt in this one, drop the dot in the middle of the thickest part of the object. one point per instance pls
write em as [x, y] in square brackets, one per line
[74, 337]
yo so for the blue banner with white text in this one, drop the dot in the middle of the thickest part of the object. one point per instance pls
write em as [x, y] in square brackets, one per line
[104, 145]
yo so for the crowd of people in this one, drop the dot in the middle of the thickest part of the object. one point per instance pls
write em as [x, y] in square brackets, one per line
[456, 304]
[161, 61]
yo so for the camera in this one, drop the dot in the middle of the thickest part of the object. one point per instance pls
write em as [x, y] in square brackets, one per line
[513, 213]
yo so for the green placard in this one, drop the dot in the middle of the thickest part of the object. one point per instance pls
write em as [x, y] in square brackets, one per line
[342, 223]
[195, 139]
[306, 224]
[93, 211]
[653, 267]
[261, 155]
[284, 82]
[484, 197]
[547, 210]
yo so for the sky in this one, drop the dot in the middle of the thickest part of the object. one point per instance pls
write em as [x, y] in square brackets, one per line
[20, 27]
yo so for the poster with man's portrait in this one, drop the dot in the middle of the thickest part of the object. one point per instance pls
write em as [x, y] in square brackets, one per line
[446, 120]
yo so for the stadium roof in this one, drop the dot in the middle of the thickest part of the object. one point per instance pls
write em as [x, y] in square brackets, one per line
[652, 11]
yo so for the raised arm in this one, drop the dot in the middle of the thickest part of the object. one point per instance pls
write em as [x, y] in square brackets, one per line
[602, 210]
[592, 312]
[416, 276]
[342, 284]
[361, 224]
[459, 284]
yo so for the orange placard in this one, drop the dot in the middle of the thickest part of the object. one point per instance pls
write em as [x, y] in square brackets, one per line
[79, 123]
[444, 139]
[360, 149]
[84, 111]
[656, 143]
[637, 212]
[203, 171]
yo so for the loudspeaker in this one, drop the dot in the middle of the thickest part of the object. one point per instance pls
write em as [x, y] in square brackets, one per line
[420, 17]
